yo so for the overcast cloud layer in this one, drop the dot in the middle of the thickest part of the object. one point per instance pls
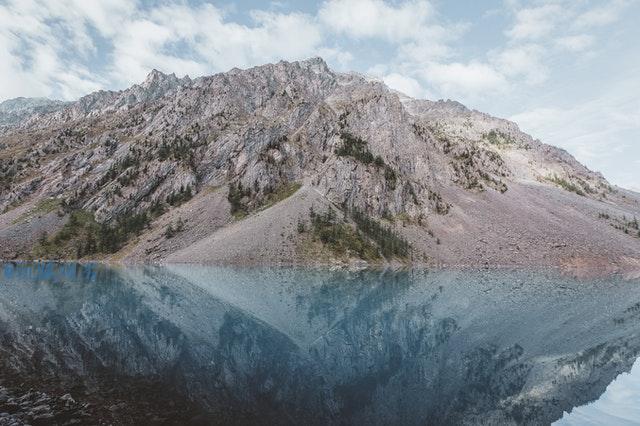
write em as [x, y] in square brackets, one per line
[565, 71]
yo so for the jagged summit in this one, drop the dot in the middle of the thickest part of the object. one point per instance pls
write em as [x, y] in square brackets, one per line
[154, 76]
[157, 78]
[229, 168]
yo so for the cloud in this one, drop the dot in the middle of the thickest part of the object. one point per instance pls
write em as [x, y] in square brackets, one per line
[465, 79]
[575, 43]
[599, 131]
[199, 40]
[44, 43]
[600, 16]
[535, 23]
[525, 61]
[51, 48]
[407, 85]
[376, 18]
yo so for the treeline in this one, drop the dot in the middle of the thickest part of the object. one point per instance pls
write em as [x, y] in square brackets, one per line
[82, 235]
[390, 242]
[342, 237]
[339, 236]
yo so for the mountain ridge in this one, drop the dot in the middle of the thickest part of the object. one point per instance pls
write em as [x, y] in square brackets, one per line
[219, 152]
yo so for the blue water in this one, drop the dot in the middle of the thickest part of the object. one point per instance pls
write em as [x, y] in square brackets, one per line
[313, 346]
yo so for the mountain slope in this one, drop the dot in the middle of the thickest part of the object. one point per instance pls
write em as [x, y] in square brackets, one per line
[206, 170]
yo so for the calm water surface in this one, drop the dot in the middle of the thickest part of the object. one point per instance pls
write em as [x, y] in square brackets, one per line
[203, 345]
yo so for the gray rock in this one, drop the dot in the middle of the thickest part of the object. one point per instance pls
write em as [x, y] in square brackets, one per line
[444, 176]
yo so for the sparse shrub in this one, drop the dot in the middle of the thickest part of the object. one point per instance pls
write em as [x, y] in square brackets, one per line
[235, 197]
[566, 185]
[171, 230]
[499, 138]
[182, 196]
[390, 177]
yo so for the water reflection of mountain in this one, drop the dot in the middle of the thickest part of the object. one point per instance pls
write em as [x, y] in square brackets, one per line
[316, 347]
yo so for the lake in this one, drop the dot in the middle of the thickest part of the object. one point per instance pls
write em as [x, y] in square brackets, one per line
[184, 344]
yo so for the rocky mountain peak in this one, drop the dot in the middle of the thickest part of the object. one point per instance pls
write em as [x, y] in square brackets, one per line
[251, 151]
[153, 77]
[315, 64]
[157, 78]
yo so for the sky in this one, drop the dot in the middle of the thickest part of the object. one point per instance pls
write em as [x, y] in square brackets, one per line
[567, 71]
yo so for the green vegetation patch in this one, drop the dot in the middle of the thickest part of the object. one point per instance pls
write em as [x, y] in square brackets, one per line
[180, 148]
[279, 194]
[340, 237]
[627, 225]
[369, 239]
[498, 138]
[390, 243]
[82, 236]
[175, 199]
[357, 149]
[237, 197]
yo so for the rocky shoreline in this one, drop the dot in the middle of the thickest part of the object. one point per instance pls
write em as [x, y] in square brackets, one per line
[126, 401]
[39, 408]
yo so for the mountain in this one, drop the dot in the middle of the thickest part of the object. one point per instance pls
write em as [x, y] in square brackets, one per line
[295, 163]
[14, 111]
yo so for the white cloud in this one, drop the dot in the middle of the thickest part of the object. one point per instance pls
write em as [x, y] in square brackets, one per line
[525, 61]
[465, 79]
[600, 16]
[407, 85]
[594, 130]
[212, 43]
[535, 23]
[38, 41]
[575, 43]
[376, 18]
[47, 45]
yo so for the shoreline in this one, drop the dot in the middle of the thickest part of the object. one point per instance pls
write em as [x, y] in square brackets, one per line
[625, 269]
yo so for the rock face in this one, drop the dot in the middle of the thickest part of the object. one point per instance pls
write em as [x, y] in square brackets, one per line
[206, 165]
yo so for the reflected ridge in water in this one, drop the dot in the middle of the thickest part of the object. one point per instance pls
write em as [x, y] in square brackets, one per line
[292, 346]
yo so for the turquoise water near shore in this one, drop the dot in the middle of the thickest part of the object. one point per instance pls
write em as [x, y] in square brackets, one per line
[316, 346]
